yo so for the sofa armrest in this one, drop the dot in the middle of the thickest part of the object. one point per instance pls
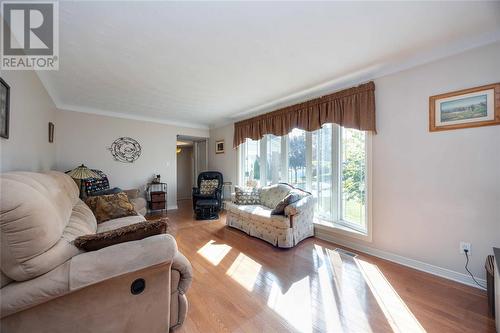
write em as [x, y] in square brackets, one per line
[303, 205]
[132, 193]
[183, 266]
[96, 266]
[140, 205]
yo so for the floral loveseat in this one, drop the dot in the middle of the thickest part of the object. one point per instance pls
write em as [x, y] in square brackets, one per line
[256, 212]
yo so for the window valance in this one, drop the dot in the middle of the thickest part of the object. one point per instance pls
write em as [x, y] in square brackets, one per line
[352, 108]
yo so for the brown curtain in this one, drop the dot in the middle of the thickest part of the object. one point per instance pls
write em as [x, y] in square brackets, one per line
[352, 108]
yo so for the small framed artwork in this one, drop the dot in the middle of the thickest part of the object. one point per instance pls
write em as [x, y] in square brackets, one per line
[219, 147]
[4, 109]
[473, 107]
[51, 132]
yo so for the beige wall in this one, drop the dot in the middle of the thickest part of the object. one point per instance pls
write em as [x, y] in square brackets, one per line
[433, 190]
[31, 109]
[84, 138]
[430, 190]
[227, 162]
[185, 173]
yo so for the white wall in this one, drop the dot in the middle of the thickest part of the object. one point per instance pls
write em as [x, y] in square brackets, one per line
[84, 138]
[433, 190]
[227, 162]
[185, 173]
[31, 109]
[430, 190]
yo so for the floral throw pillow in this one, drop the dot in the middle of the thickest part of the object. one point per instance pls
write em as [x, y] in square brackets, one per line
[112, 206]
[208, 186]
[249, 196]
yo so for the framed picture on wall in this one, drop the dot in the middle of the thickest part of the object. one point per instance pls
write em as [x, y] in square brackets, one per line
[473, 107]
[4, 109]
[219, 147]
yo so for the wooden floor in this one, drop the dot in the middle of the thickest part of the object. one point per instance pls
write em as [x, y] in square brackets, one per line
[242, 284]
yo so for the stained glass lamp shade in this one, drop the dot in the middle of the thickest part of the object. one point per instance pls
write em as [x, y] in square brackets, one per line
[80, 173]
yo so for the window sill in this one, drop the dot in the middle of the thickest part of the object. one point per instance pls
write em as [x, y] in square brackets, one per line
[327, 227]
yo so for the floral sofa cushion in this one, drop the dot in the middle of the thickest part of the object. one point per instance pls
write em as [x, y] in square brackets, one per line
[270, 196]
[247, 196]
[258, 213]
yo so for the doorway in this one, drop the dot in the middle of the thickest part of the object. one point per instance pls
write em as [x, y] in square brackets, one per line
[192, 158]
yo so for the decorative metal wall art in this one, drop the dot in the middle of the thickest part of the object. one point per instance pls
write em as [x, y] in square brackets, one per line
[125, 150]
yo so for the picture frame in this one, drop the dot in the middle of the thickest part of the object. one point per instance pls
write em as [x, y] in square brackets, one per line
[51, 132]
[474, 107]
[219, 147]
[4, 109]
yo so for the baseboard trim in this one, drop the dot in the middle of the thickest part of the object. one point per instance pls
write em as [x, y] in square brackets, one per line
[412, 263]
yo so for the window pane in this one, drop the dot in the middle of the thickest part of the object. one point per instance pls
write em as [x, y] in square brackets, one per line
[321, 185]
[353, 161]
[251, 163]
[273, 173]
[297, 158]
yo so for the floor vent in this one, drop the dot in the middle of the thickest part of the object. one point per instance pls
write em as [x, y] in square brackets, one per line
[347, 253]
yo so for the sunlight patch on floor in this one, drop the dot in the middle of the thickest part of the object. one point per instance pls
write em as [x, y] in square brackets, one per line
[329, 308]
[245, 271]
[341, 290]
[214, 252]
[394, 308]
[294, 305]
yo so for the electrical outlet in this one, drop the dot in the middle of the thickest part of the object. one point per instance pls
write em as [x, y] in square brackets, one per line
[465, 246]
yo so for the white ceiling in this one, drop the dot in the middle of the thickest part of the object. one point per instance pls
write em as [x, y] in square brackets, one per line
[207, 63]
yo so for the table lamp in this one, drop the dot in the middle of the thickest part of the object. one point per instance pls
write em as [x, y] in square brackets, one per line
[81, 173]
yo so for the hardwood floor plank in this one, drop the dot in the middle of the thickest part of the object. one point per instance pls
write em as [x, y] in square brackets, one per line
[243, 284]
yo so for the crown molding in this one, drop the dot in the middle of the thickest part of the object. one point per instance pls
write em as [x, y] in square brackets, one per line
[74, 108]
[369, 73]
[372, 72]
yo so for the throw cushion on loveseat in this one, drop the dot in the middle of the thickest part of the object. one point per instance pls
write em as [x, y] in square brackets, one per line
[112, 206]
[270, 196]
[292, 197]
[247, 196]
[124, 234]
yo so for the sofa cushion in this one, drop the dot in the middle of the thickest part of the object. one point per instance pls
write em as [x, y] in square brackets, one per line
[270, 196]
[34, 212]
[118, 223]
[258, 213]
[127, 233]
[247, 196]
[112, 206]
[4, 280]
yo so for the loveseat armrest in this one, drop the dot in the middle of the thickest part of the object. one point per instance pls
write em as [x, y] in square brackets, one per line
[301, 206]
[181, 264]
[96, 266]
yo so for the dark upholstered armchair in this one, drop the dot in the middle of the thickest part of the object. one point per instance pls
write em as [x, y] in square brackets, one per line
[207, 197]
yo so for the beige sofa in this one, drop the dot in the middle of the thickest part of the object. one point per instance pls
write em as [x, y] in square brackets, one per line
[285, 230]
[48, 285]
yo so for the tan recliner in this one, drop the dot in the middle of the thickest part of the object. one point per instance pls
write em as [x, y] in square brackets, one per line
[48, 285]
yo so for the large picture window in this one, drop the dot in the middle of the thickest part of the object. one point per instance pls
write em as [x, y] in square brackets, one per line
[331, 163]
